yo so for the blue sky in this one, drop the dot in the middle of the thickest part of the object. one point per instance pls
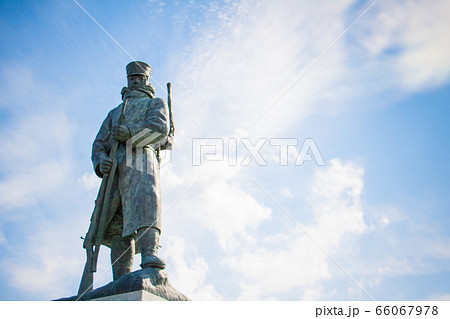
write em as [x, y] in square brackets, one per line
[371, 223]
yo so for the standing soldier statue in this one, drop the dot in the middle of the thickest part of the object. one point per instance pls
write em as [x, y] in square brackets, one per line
[125, 154]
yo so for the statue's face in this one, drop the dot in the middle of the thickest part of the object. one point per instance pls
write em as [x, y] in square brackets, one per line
[137, 80]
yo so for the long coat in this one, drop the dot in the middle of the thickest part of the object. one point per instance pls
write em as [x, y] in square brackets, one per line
[136, 188]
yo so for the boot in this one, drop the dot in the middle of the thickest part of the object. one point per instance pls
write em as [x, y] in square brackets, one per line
[149, 242]
[121, 256]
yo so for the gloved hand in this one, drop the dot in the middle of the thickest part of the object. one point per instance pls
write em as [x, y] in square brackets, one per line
[106, 165]
[121, 133]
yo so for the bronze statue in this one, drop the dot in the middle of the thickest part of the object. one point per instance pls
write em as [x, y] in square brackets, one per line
[125, 154]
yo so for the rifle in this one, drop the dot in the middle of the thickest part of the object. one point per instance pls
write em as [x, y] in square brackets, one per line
[94, 236]
[169, 143]
[169, 103]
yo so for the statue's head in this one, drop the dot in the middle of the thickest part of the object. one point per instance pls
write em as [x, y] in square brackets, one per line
[138, 74]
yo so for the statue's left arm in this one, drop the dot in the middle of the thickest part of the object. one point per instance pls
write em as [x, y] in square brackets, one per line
[156, 123]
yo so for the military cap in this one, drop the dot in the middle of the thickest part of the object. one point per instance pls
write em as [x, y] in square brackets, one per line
[138, 67]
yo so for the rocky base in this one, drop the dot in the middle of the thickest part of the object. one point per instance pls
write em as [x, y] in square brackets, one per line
[152, 280]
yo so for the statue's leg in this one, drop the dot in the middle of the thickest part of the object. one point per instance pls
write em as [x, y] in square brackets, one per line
[122, 254]
[149, 243]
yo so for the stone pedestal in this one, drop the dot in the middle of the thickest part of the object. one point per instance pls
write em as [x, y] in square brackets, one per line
[140, 295]
[148, 283]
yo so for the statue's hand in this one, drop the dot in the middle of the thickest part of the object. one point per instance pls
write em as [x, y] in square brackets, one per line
[120, 133]
[105, 165]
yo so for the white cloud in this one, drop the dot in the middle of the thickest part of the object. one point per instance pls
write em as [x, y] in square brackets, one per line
[402, 247]
[170, 178]
[189, 276]
[224, 207]
[410, 37]
[296, 262]
[285, 192]
[312, 293]
[35, 158]
[384, 221]
[90, 181]
[248, 63]
[2, 238]
[242, 64]
[47, 262]
[335, 200]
